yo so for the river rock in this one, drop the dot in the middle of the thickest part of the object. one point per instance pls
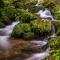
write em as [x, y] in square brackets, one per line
[36, 46]
[22, 49]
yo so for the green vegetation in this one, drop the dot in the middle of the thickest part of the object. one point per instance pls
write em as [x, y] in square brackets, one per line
[31, 26]
[11, 10]
[55, 49]
[35, 29]
[55, 54]
[55, 42]
[1, 25]
[57, 26]
[41, 27]
[58, 32]
[26, 17]
[34, 9]
[56, 16]
[23, 30]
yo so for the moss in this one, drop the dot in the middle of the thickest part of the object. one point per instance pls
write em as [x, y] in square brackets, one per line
[33, 9]
[58, 32]
[28, 35]
[55, 54]
[26, 18]
[56, 16]
[41, 27]
[35, 29]
[5, 20]
[57, 25]
[1, 25]
[55, 42]
[23, 31]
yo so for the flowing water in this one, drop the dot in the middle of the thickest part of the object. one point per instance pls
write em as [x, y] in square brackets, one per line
[5, 34]
[38, 56]
[45, 14]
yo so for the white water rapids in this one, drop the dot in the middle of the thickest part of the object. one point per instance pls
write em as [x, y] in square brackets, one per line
[5, 34]
[38, 56]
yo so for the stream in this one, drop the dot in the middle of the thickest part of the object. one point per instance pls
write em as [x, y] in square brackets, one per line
[5, 34]
[45, 15]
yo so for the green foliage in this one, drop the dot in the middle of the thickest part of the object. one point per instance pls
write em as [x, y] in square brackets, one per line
[27, 17]
[22, 3]
[7, 14]
[57, 25]
[56, 16]
[24, 16]
[32, 8]
[35, 9]
[1, 25]
[8, 2]
[35, 29]
[23, 31]
[1, 4]
[41, 27]
[58, 32]
[5, 20]
[57, 8]
[10, 12]
[28, 35]
[54, 42]
[55, 54]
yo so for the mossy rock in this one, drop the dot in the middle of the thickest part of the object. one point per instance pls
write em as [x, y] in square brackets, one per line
[56, 16]
[57, 25]
[58, 32]
[55, 42]
[41, 27]
[23, 30]
[55, 54]
[35, 29]
[28, 35]
[26, 18]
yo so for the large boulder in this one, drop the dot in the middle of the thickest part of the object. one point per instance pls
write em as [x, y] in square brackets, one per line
[35, 29]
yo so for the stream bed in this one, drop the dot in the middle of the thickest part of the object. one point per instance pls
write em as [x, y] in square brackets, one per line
[36, 54]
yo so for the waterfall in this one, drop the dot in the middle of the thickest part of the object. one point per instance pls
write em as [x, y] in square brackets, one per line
[39, 56]
[5, 34]
[45, 14]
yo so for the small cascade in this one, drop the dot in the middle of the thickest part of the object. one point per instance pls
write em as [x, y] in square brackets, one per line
[5, 34]
[53, 32]
[45, 14]
[39, 56]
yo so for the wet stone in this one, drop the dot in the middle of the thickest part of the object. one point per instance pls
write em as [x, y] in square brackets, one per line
[23, 49]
